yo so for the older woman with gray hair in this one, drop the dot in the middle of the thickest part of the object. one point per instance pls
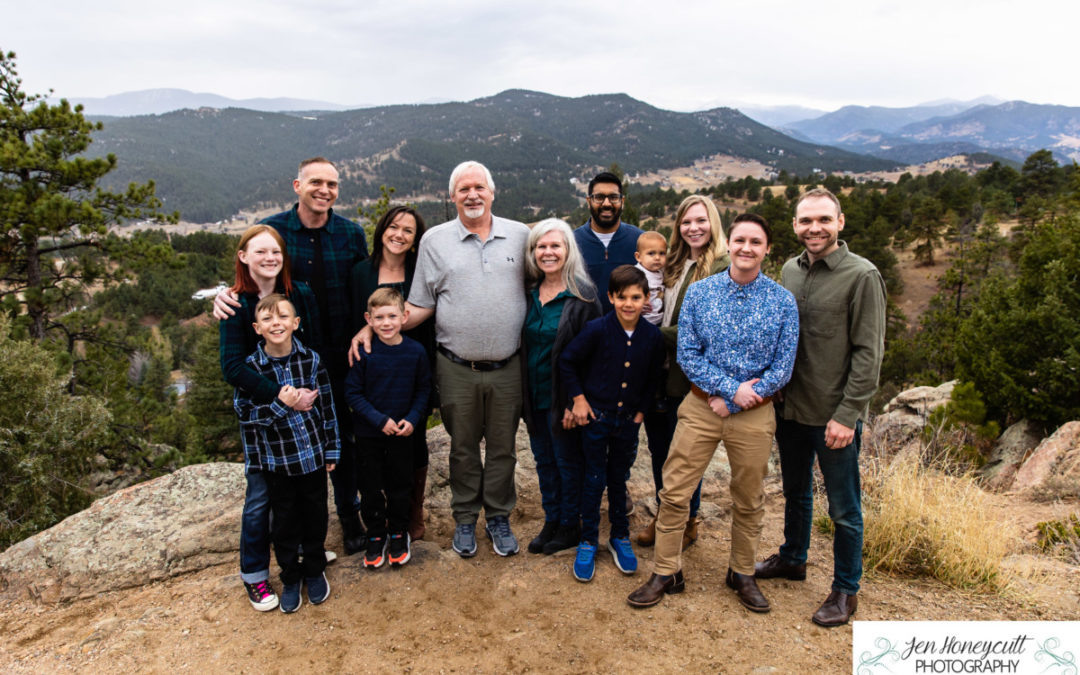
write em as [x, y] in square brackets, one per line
[561, 300]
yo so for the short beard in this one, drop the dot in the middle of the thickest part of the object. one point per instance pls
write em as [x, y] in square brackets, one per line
[474, 212]
[616, 215]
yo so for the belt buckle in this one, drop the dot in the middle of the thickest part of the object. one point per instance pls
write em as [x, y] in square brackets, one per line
[472, 365]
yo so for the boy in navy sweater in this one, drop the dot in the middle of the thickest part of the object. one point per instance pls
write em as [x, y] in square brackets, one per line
[611, 371]
[387, 391]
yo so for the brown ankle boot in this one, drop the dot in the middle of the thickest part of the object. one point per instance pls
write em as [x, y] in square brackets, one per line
[690, 534]
[647, 537]
[416, 508]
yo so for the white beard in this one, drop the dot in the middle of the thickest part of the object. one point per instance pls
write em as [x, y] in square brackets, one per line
[474, 212]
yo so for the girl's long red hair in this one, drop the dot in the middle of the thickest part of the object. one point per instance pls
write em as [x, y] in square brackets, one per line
[244, 282]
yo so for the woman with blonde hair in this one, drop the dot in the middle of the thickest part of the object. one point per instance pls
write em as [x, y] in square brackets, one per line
[696, 250]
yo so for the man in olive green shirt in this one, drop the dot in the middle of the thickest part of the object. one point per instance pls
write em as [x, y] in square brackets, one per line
[841, 298]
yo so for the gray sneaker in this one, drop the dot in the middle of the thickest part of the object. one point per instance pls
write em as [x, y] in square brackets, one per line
[502, 538]
[465, 540]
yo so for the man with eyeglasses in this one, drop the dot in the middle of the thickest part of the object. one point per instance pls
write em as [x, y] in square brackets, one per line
[604, 240]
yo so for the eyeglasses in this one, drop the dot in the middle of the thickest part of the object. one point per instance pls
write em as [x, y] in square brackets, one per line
[600, 199]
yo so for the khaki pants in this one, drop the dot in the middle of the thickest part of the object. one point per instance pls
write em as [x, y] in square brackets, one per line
[747, 436]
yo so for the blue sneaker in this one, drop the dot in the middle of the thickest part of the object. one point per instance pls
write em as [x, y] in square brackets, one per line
[465, 540]
[585, 563]
[318, 589]
[290, 598]
[623, 554]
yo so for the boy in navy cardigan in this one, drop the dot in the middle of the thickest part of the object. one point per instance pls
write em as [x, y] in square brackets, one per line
[611, 371]
[387, 391]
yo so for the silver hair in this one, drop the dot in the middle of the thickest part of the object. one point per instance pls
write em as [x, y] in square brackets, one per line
[573, 272]
[465, 166]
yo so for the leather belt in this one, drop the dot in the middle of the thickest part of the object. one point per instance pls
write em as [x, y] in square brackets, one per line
[700, 393]
[479, 366]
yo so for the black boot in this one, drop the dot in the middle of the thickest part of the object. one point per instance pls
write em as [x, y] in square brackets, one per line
[541, 540]
[567, 536]
[353, 536]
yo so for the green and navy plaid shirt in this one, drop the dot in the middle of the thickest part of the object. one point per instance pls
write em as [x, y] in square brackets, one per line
[342, 246]
[276, 437]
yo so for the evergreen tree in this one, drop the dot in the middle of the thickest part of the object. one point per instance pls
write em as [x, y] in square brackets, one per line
[54, 217]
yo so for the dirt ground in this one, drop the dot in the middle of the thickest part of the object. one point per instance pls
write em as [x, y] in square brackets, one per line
[441, 613]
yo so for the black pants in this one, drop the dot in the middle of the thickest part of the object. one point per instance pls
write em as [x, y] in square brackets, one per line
[386, 477]
[298, 504]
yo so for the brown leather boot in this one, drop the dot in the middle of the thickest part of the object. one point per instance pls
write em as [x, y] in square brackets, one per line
[416, 508]
[654, 590]
[690, 534]
[647, 537]
[747, 591]
[836, 610]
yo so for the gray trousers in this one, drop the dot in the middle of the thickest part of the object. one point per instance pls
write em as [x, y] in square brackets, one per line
[480, 405]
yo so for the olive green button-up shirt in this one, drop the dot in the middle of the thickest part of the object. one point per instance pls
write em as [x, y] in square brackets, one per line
[841, 302]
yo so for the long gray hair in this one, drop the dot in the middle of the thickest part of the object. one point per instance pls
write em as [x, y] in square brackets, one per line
[573, 272]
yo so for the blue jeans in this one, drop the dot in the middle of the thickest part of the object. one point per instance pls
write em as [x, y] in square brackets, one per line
[659, 430]
[255, 531]
[609, 444]
[799, 444]
[559, 467]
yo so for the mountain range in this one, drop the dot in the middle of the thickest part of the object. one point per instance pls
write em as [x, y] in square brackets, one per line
[210, 162]
[159, 101]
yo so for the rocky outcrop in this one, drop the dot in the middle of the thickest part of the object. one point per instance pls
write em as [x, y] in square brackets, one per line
[1055, 464]
[904, 417]
[1009, 453]
[178, 523]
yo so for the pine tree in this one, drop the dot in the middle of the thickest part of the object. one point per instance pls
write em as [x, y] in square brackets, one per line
[54, 240]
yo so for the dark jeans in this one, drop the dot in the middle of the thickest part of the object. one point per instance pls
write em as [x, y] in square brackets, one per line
[255, 530]
[344, 478]
[659, 430]
[799, 444]
[608, 444]
[559, 467]
[299, 507]
[386, 467]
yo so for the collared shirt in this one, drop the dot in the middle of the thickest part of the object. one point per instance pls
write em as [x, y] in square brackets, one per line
[342, 245]
[600, 260]
[476, 287]
[841, 302]
[730, 333]
[616, 372]
[541, 326]
[282, 440]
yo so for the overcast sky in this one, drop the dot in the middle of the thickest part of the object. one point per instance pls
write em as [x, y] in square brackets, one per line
[675, 55]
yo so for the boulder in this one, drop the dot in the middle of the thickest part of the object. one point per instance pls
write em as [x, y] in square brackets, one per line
[904, 417]
[1056, 460]
[182, 522]
[1009, 452]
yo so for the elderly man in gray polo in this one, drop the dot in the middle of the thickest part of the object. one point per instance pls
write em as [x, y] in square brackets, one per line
[470, 272]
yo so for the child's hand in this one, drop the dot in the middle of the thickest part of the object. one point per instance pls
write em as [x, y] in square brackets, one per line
[745, 397]
[404, 428]
[289, 395]
[390, 428]
[583, 412]
[330, 467]
[639, 418]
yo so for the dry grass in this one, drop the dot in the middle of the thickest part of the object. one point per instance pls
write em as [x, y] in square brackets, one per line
[924, 521]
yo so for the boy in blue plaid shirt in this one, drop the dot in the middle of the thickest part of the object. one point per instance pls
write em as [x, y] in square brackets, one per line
[294, 449]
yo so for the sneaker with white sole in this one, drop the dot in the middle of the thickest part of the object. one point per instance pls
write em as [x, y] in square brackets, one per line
[399, 550]
[261, 596]
[464, 543]
[318, 589]
[585, 562]
[290, 598]
[623, 554]
[375, 555]
[502, 537]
